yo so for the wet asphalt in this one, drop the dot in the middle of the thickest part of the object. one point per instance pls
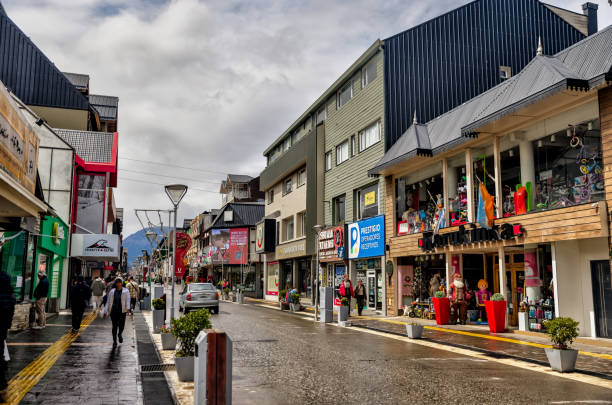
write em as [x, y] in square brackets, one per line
[281, 358]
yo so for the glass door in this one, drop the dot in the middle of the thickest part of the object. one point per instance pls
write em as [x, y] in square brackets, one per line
[602, 297]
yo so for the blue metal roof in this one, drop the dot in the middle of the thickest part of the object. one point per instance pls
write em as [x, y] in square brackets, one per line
[28, 73]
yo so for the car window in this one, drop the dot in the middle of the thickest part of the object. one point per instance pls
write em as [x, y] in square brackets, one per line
[201, 287]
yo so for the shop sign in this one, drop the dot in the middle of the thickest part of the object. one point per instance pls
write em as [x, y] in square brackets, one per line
[289, 250]
[464, 236]
[104, 247]
[183, 243]
[53, 235]
[367, 238]
[331, 244]
[264, 236]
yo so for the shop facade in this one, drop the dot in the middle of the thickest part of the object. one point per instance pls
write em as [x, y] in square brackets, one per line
[511, 190]
[294, 267]
[333, 263]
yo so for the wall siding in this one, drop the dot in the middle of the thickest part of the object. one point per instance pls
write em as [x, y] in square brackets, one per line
[605, 122]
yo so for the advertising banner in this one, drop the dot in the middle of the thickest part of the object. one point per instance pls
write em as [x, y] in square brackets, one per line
[104, 247]
[366, 238]
[229, 246]
[272, 278]
[331, 243]
[183, 243]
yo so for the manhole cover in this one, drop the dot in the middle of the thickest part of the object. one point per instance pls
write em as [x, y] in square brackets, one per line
[154, 368]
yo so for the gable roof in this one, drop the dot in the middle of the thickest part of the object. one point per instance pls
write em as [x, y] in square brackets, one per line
[245, 215]
[582, 66]
[29, 74]
[105, 105]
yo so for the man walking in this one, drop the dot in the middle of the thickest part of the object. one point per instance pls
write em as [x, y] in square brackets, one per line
[117, 305]
[134, 292]
[79, 294]
[7, 310]
[97, 290]
[40, 294]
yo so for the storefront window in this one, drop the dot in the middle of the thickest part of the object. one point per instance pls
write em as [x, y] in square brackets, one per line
[12, 260]
[457, 190]
[510, 163]
[368, 201]
[90, 204]
[484, 173]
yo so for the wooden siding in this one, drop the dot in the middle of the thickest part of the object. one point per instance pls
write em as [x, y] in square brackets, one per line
[605, 122]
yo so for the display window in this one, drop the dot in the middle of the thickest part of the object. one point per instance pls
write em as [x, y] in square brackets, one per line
[457, 190]
[484, 185]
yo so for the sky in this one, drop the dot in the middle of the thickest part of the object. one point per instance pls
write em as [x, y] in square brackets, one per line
[205, 86]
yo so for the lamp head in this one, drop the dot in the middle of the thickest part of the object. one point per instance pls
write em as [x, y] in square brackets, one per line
[176, 192]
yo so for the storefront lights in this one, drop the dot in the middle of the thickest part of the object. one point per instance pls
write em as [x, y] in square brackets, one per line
[540, 143]
[511, 153]
[553, 138]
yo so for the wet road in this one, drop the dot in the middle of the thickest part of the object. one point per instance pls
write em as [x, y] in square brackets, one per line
[281, 358]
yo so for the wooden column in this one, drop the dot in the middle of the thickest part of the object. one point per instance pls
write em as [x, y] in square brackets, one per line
[445, 197]
[501, 261]
[499, 211]
[469, 182]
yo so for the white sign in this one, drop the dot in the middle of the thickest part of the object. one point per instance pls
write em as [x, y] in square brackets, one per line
[98, 247]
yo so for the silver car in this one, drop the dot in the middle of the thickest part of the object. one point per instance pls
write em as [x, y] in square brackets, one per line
[199, 295]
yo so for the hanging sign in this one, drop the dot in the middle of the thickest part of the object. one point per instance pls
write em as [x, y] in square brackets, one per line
[183, 243]
[464, 236]
[367, 238]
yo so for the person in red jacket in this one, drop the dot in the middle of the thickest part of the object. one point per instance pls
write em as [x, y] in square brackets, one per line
[346, 290]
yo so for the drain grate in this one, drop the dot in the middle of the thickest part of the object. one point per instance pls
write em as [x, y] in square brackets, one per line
[156, 368]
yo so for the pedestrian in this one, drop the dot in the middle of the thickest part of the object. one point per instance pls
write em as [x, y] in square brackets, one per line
[79, 294]
[346, 290]
[40, 294]
[97, 290]
[117, 306]
[360, 296]
[7, 310]
[134, 290]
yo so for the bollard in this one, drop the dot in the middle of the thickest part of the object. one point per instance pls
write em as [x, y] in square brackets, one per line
[327, 304]
[213, 368]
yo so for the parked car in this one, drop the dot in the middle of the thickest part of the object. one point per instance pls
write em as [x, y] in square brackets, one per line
[199, 295]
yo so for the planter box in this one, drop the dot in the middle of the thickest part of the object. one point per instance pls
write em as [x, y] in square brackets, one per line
[343, 314]
[184, 368]
[414, 331]
[158, 319]
[496, 314]
[168, 341]
[563, 361]
[442, 309]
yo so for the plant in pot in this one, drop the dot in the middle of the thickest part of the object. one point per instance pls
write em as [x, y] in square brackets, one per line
[414, 330]
[496, 313]
[226, 292]
[281, 299]
[159, 308]
[167, 338]
[344, 310]
[186, 329]
[441, 307]
[562, 332]
[295, 302]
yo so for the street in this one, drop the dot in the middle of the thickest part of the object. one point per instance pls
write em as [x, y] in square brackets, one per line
[280, 355]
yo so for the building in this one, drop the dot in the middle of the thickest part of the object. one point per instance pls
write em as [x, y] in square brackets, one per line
[537, 143]
[240, 188]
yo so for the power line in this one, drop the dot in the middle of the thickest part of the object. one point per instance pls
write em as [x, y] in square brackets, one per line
[161, 184]
[171, 165]
[171, 177]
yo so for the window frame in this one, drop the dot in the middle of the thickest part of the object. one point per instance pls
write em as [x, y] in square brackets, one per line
[340, 145]
[322, 111]
[328, 159]
[300, 172]
[289, 181]
[348, 84]
[364, 77]
[285, 228]
[362, 135]
[271, 196]
[360, 192]
[335, 200]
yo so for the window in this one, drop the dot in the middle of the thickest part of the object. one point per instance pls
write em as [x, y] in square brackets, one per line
[345, 94]
[321, 115]
[270, 196]
[328, 160]
[338, 213]
[368, 73]
[301, 177]
[288, 186]
[342, 152]
[369, 136]
[90, 204]
[288, 225]
[287, 144]
[301, 224]
[353, 146]
[505, 72]
[368, 201]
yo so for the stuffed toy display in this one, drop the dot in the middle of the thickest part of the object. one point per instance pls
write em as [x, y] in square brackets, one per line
[482, 295]
[459, 297]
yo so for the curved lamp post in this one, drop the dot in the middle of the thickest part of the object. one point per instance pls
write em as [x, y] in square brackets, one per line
[175, 192]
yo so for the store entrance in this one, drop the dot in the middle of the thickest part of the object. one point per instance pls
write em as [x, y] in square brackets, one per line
[515, 280]
[602, 297]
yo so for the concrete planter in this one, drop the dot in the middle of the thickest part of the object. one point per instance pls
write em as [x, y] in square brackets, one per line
[158, 320]
[563, 361]
[184, 368]
[414, 331]
[168, 341]
[343, 314]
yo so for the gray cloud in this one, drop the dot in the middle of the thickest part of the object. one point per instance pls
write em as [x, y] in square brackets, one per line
[210, 84]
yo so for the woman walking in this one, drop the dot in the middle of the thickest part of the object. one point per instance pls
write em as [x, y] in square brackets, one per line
[118, 306]
[360, 295]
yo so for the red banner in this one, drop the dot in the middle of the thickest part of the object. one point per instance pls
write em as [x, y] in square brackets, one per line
[183, 243]
[230, 246]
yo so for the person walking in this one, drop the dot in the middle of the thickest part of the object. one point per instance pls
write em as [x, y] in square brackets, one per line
[134, 290]
[97, 290]
[117, 306]
[346, 290]
[7, 310]
[360, 296]
[40, 294]
[79, 295]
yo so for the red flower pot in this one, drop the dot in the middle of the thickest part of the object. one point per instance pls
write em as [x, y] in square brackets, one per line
[442, 309]
[496, 314]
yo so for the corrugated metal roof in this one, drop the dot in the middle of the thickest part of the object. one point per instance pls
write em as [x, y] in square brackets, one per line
[30, 74]
[78, 80]
[585, 62]
[577, 20]
[107, 106]
[90, 146]
[245, 214]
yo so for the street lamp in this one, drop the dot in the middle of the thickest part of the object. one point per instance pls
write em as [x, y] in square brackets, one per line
[152, 237]
[317, 229]
[175, 192]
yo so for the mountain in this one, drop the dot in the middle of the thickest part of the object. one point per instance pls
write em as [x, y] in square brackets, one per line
[136, 243]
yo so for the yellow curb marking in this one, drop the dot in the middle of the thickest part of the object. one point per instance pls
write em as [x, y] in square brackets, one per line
[31, 374]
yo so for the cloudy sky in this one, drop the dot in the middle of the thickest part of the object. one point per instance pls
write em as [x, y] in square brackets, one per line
[205, 86]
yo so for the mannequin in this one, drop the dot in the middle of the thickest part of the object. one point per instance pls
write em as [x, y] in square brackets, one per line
[459, 297]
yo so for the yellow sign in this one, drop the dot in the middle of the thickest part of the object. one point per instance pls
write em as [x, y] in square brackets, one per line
[370, 198]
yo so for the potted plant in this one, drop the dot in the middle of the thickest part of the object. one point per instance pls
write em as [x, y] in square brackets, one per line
[414, 330]
[159, 307]
[496, 313]
[226, 292]
[186, 329]
[281, 299]
[562, 332]
[295, 302]
[167, 338]
[441, 307]
[344, 310]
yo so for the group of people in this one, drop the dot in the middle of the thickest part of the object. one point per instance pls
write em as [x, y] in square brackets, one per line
[346, 290]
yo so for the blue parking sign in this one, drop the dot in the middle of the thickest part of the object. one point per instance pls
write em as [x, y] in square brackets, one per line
[366, 238]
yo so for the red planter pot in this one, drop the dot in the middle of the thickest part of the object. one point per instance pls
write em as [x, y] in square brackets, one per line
[496, 314]
[442, 309]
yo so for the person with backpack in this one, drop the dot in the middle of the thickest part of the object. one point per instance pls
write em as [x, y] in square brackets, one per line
[97, 290]
[79, 295]
[134, 290]
[40, 294]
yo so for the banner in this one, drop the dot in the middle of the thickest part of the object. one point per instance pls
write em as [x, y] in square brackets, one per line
[367, 238]
[229, 246]
[183, 243]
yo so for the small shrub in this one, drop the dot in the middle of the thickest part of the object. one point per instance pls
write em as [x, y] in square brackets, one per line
[166, 329]
[562, 332]
[497, 297]
[439, 294]
[295, 298]
[158, 303]
[226, 291]
[281, 295]
[186, 330]
[344, 302]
